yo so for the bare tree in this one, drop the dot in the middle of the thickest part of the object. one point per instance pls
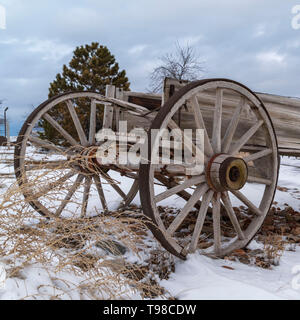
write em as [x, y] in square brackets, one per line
[183, 64]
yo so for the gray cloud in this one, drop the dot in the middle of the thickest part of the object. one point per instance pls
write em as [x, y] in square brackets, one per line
[249, 41]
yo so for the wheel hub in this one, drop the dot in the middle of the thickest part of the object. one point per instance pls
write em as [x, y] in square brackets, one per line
[225, 172]
[86, 160]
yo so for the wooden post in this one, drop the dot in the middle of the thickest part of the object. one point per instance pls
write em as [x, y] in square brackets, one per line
[120, 96]
[170, 86]
[109, 109]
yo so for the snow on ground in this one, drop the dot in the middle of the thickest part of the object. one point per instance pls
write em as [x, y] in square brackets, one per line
[40, 283]
[201, 277]
[198, 277]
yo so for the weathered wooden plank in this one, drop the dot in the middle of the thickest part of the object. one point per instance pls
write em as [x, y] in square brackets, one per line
[170, 87]
[119, 95]
[284, 112]
[109, 109]
[147, 102]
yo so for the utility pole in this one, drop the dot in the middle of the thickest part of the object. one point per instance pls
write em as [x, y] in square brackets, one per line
[5, 124]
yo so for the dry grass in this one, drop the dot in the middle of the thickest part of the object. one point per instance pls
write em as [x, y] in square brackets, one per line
[274, 247]
[84, 247]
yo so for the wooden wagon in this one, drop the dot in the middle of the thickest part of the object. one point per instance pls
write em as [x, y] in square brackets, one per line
[243, 135]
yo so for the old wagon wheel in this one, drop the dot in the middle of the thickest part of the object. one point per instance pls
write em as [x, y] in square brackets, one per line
[59, 177]
[235, 193]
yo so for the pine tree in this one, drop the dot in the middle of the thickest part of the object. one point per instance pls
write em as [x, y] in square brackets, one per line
[92, 67]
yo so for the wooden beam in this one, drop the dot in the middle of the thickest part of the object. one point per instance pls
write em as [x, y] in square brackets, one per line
[109, 109]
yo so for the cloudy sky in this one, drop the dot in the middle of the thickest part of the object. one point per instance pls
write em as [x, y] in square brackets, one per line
[251, 41]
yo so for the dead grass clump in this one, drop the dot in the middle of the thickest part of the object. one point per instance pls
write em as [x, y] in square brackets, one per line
[104, 254]
[274, 247]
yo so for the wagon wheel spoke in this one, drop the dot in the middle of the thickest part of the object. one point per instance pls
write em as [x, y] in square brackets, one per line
[232, 126]
[44, 144]
[216, 135]
[170, 184]
[200, 125]
[259, 180]
[60, 129]
[232, 215]
[101, 194]
[114, 184]
[132, 193]
[86, 193]
[42, 165]
[92, 132]
[200, 220]
[217, 222]
[70, 194]
[180, 187]
[247, 202]
[52, 185]
[245, 138]
[258, 155]
[77, 123]
[198, 193]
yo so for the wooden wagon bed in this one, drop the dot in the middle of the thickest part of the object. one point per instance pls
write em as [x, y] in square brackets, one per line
[284, 112]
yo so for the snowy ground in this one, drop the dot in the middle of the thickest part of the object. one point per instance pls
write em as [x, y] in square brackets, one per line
[203, 278]
[198, 277]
